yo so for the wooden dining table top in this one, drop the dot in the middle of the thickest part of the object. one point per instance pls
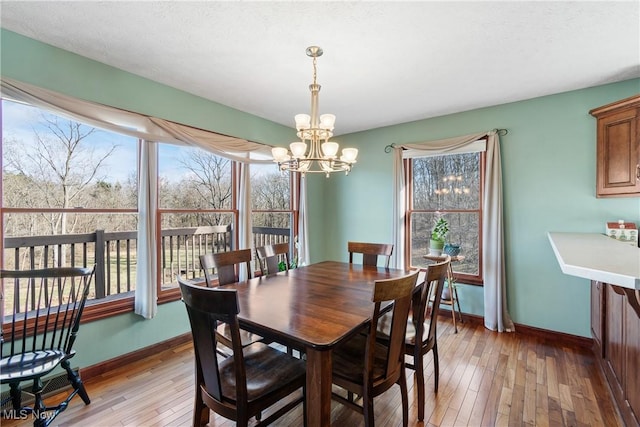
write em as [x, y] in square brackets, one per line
[312, 306]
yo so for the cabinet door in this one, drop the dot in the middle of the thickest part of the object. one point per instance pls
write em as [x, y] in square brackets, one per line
[613, 336]
[632, 360]
[596, 315]
[618, 154]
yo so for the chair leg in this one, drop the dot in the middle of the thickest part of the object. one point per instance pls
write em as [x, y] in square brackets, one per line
[16, 396]
[304, 404]
[367, 409]
[419, 368]
[436, 365]
[76, 382]
[405, 399]
[201, 411]
[39, 414]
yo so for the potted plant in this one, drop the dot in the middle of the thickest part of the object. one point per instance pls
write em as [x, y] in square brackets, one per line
[438, 235]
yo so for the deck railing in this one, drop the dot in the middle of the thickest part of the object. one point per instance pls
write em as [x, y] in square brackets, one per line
[116, 263]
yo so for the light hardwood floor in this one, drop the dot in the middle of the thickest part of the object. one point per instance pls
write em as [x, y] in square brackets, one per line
[486, 379]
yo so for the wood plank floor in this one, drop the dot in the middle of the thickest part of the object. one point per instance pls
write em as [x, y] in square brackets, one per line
[486, 379]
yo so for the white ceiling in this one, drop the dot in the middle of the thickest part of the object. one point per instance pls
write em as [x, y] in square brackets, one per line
[384, 62]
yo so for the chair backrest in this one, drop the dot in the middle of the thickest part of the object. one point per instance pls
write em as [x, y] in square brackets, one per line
[400, 291]
[370, 252]
[207, 307]
[269, 257]
[226, 264]
[46, 307]
[433, 285]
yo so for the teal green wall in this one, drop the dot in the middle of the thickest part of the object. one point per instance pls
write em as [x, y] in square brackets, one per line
[549, 181]
[549, 166]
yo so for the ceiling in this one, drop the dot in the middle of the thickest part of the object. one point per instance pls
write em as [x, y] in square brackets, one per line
[384, 62]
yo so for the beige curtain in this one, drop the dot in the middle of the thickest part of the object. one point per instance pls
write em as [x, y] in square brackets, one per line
[244, 212]
[134, 124]
[399, 209]
[496, 315]
[146, 293]
[303, 226]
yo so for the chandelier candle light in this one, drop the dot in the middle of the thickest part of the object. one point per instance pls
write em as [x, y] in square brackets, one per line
[322, 154]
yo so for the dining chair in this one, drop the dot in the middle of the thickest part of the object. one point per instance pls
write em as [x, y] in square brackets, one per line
[366, 367]
[370, 252]
[227, 265]
[270, 256]
[38, 335]
[252, 379]
[421, 335]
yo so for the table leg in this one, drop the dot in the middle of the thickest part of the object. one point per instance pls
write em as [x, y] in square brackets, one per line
[319, 378]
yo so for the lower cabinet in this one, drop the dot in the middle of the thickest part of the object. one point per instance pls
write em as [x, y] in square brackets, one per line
[615, 326]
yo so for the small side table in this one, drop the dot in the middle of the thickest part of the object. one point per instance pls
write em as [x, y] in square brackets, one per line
[453, 300]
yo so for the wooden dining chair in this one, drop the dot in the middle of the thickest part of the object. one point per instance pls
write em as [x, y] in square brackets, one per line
[370, 252]
[269, 257]
[227, 267]
[252, 379]
[366, 367]
[421, 334]
[38, 335]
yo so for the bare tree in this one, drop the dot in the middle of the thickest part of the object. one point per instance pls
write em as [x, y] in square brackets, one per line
[271, 192]
[60, 164]
[208, 184]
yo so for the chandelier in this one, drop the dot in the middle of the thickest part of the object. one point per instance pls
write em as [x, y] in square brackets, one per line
[314, 153]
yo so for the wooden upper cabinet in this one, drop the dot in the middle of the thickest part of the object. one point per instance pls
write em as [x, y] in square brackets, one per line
[618, 148]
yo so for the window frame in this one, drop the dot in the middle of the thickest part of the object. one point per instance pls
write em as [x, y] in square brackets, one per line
[477, 280]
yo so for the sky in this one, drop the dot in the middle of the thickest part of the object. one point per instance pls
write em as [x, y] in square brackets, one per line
[21, 122]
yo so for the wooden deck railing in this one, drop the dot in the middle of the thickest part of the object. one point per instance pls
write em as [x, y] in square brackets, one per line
[116, 263]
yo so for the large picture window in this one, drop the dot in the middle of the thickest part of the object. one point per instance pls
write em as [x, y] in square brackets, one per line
[68, 189]
[449, 186]
[70, 198]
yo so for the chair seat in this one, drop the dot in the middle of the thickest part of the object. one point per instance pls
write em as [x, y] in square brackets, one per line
[348, 363]
[384, 326]
[29, 365]
[267, 370]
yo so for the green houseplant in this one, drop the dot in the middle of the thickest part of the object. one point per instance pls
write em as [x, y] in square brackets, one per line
[438, 235]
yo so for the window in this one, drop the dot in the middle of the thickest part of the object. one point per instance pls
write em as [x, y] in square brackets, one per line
[197, 209]
[451, 186]
[273, 208]
[67, 189]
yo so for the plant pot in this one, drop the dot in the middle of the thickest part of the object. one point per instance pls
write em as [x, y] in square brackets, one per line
[451, 249]
[435, 247]
[446, 293]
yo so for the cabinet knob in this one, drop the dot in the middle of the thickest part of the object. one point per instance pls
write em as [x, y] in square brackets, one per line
[638, 172]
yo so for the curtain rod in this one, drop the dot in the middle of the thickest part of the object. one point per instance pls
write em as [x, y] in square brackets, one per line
[501, 132]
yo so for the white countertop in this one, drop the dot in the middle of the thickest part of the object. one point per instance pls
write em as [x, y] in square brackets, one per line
[597, 257]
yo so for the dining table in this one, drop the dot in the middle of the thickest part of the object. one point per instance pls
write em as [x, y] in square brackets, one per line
[313, 308]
